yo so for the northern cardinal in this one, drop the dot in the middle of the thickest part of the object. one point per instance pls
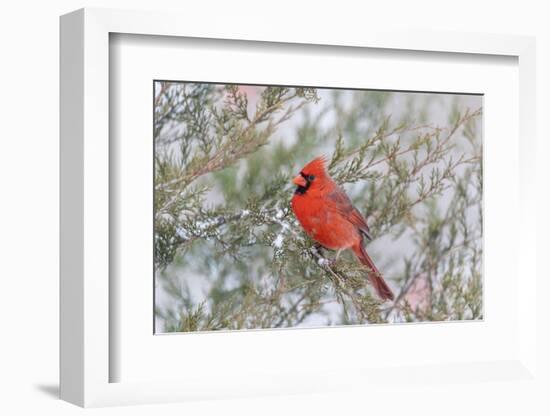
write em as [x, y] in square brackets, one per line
[328, 217]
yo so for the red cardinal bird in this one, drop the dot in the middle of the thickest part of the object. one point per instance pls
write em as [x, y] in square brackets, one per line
[329, 218]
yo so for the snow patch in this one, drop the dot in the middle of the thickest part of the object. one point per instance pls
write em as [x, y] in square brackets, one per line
[278, 242]
[182, 233]
[323, 262]
[203, 225]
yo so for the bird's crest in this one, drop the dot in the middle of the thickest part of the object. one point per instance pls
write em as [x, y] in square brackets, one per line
[316, 167]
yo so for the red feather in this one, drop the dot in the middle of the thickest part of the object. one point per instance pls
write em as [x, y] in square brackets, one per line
[328, 217]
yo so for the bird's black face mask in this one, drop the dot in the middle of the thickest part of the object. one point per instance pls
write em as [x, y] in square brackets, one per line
[300, 190]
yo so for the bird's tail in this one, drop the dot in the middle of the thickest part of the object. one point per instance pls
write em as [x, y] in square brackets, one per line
[375, 277]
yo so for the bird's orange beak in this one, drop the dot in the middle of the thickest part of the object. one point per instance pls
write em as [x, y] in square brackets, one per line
[299, 181]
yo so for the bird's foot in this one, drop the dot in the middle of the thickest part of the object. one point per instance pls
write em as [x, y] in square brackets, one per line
[335, 259]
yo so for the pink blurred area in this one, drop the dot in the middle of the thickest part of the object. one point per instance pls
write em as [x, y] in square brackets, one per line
[419, 293]
[253, 94]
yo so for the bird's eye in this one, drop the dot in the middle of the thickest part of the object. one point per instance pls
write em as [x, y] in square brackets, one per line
[310, 177]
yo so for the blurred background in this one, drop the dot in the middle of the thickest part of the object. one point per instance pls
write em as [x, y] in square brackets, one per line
[229, 253]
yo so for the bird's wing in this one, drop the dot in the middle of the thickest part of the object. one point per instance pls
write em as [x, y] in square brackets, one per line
[342, 204]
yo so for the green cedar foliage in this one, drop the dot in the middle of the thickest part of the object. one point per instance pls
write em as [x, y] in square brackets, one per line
[229, 253]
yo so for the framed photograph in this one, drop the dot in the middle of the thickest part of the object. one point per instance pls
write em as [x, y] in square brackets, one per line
[273, 214]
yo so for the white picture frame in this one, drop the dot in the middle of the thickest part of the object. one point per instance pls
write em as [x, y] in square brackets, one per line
[86, 357]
